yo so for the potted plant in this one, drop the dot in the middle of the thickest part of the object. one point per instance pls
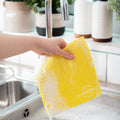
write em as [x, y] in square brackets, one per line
[58, 23]
[115, 6]
[18, 17]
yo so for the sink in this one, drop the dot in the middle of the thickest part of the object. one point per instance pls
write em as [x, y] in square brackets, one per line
[104, 107]
[20, 100]
[16, 94]
[2, 77]
[13, 91]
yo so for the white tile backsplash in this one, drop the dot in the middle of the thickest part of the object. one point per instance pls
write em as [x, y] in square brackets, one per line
[99, 60]
[28, 58]
[113, 69]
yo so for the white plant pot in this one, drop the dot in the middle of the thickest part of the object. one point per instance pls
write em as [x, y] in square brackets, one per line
[18, 18]
[1, 14]
[116, 27]
[58, 24]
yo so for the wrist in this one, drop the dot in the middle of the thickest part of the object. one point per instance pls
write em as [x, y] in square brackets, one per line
[37, 42]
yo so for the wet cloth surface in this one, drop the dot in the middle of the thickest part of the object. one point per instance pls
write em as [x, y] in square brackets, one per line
[67, 83]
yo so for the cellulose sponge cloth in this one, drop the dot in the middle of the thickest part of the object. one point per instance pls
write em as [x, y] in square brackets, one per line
[67, 83]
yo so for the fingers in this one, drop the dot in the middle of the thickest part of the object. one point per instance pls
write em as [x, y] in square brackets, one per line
[65, 54]
[54, 47]
[60, 52]
[63, 44]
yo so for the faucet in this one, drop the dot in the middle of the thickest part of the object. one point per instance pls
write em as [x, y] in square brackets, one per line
[48, 12]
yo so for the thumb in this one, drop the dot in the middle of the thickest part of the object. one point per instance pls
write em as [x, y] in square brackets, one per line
[65, 54]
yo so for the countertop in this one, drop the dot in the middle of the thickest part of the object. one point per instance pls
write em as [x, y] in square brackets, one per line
[109, 47]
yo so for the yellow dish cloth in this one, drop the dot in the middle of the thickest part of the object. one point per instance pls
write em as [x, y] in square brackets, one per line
[67, 83]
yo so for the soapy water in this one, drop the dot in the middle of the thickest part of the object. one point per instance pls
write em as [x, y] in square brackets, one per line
[89, 111]
[101, 108]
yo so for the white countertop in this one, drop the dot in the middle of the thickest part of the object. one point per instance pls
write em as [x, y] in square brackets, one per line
[109, 47]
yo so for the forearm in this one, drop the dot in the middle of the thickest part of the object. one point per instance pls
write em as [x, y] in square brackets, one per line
[11, 45]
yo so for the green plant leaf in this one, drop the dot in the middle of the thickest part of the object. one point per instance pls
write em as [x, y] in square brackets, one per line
[36, 4]
[115, 6]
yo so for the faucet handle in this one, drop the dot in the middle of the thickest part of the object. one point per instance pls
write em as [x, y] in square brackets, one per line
[64, 9]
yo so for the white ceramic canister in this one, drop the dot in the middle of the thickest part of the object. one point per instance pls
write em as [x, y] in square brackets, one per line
[101, 22]
[82, 18]
[58, 24]
[18, 18]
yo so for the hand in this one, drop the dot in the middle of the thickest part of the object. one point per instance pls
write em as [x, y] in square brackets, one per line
[52, 46]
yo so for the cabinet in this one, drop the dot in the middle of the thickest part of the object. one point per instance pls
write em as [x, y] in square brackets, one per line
[113, 74]
[28, 58]
[14, 59]
[99, 60]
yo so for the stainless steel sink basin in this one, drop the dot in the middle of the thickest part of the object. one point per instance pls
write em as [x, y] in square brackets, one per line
[20, 100]
[14, 90]
[16, 94]
[104, 107]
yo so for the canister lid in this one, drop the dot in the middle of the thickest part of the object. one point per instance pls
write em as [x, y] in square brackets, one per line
[101, 0]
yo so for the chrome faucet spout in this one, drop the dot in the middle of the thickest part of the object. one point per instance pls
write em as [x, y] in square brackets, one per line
[48, 12]
[64, 9]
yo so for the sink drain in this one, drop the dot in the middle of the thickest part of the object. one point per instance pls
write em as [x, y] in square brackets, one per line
[26, 113]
